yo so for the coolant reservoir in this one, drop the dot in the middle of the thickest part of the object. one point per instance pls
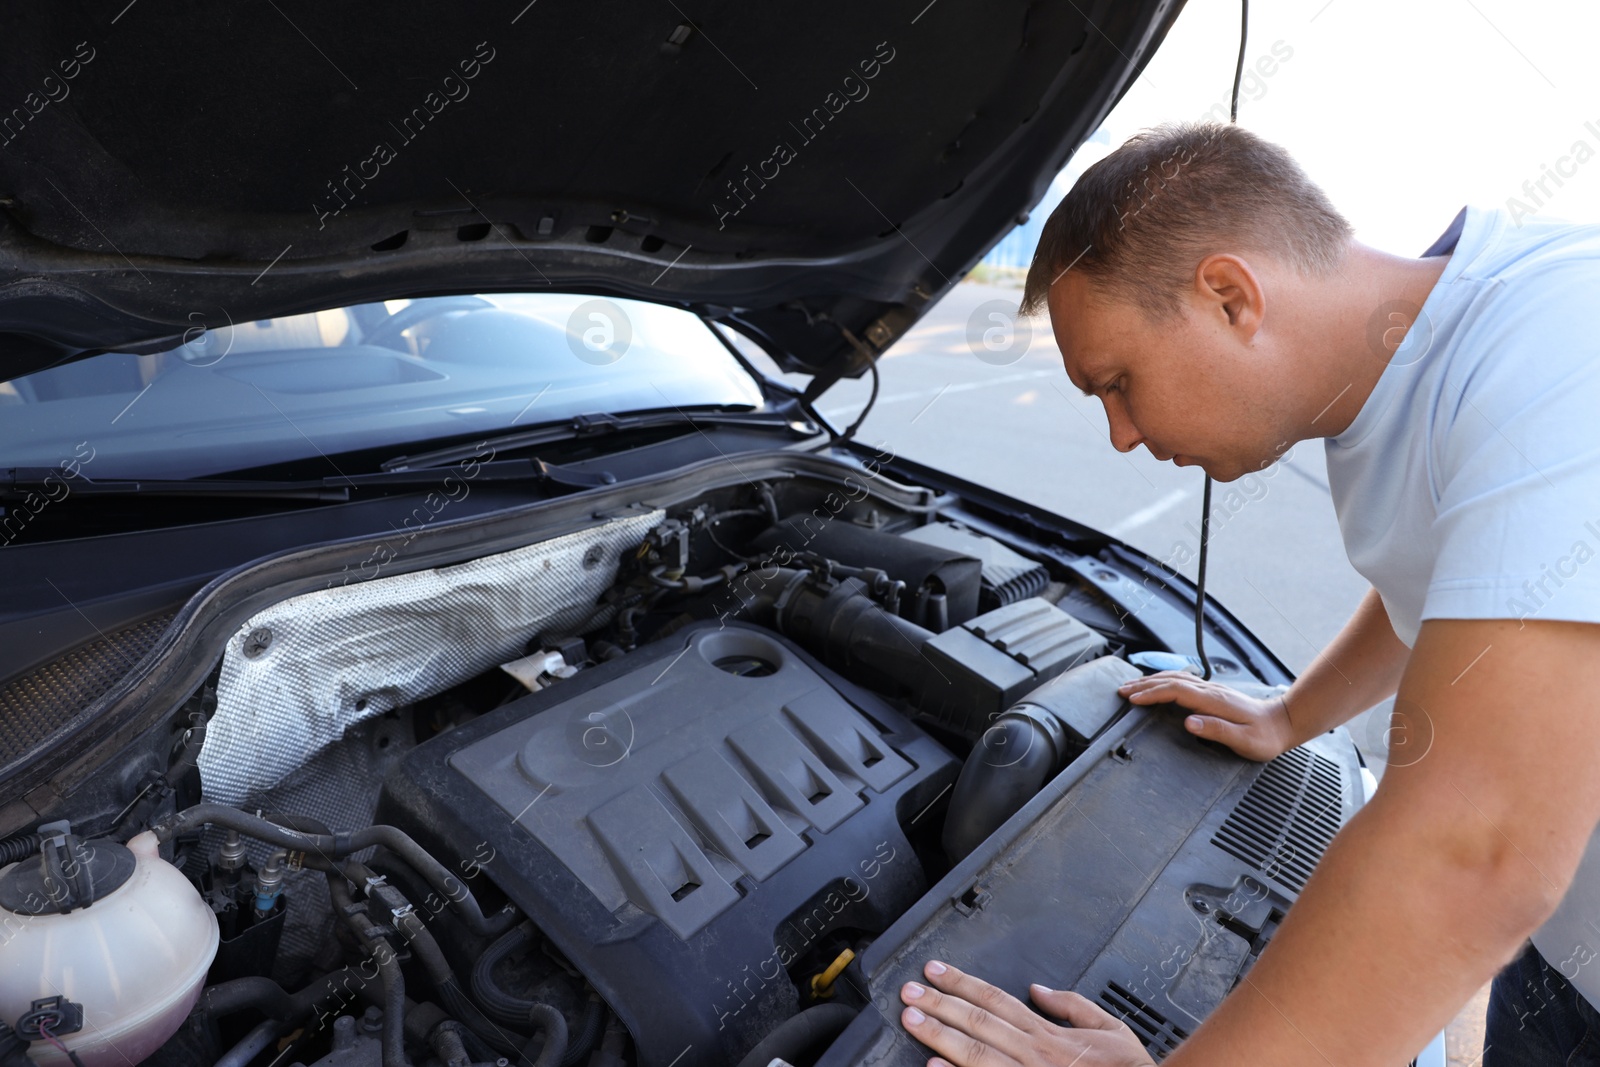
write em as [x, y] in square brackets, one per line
[134, 957]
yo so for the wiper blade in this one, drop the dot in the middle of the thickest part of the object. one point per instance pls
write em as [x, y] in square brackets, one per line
[19, 482]
[581, 426]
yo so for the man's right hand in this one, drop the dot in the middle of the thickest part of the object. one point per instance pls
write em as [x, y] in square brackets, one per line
[1254, 728]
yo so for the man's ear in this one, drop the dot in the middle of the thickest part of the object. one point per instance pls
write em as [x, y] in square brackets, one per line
[1225, 284]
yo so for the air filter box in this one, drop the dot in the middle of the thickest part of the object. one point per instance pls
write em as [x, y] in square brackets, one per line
[979, 669]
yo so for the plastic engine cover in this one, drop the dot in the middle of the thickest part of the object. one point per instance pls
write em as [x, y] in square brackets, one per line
[688, 824]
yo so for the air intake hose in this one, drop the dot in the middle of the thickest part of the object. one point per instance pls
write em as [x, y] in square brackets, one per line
[1028, 745]
[852, 634]
[837, 622]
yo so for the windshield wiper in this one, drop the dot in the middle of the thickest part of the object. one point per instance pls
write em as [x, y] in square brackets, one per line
[583, 426]
[22, 481]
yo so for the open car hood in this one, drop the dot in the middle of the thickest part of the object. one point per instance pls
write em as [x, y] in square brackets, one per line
[816, 175]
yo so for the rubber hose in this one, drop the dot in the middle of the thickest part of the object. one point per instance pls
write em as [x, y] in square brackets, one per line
[262, 994]
[793, 1037]
[1009, 765]
[19, 848]
[394, 1010]
[418, 1019]
[305, 824]
[334, 985]
[448, 1046]
[251, 1046]
[553, 1028]
[461, 1008]
[389, 974]
[448, 1036]
[851, 633]
[431, 956]
[396, 841]
[517, 1011]
[579, 1047]
[497, 1003]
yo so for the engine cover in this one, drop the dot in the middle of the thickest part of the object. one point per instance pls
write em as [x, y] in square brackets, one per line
[693, 825]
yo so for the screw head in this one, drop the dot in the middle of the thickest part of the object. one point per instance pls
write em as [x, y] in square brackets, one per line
[256, 642]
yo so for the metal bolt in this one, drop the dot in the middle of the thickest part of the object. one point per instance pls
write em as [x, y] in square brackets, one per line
[372, 1019]
[256, 642]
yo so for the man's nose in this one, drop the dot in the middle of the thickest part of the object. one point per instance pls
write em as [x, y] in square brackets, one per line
[1124, 436]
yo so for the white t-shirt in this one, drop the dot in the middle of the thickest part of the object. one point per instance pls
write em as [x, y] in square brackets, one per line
[1468, 486]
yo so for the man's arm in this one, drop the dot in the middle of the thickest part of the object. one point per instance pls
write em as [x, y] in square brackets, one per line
[1426, 893]
[1360, 667]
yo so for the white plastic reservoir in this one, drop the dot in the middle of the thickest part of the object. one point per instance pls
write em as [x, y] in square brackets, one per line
[135, 959]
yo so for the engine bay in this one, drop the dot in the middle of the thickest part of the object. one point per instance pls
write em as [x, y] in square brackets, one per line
[696, 780]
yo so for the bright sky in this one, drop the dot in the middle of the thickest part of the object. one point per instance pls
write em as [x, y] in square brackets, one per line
[1403, 110]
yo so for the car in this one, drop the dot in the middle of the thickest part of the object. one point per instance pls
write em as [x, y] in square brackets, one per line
[437, 627]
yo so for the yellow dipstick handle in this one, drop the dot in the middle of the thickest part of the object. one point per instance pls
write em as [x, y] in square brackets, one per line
[822, 984]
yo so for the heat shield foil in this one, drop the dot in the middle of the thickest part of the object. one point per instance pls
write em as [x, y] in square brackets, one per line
[335, 657]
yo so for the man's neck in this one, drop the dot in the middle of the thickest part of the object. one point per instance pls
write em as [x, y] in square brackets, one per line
[1376, 300]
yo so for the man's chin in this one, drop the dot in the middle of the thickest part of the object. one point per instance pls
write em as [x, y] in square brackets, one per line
[1217, 472]
[1224, 471]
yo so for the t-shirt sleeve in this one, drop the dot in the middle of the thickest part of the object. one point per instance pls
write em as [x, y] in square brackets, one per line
[1516, 451]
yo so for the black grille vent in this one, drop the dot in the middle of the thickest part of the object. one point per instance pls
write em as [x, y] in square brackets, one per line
[41, 704]
[1286, 819]
[1159, 1033]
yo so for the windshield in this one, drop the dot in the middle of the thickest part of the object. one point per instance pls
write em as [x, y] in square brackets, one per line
[386, 375]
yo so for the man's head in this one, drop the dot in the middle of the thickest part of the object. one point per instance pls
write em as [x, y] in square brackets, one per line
[1157, 269]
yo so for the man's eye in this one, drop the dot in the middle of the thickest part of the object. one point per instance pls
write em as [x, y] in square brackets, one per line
[1114, 386]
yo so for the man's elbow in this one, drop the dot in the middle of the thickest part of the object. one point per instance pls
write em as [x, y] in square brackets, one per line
[1516, 887]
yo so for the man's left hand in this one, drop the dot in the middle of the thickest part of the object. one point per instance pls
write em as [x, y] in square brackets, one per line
[971, 1023]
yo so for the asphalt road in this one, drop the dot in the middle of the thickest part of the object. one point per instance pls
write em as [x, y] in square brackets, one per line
[1012, 421]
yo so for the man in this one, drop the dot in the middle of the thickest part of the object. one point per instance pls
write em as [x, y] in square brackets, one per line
[1214, 301]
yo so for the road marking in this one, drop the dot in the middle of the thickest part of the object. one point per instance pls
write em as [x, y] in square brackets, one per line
[957, 387]
[1149, 513]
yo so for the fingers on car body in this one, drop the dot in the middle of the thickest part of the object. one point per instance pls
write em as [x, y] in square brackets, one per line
[970, 1023]
[1251, 727]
